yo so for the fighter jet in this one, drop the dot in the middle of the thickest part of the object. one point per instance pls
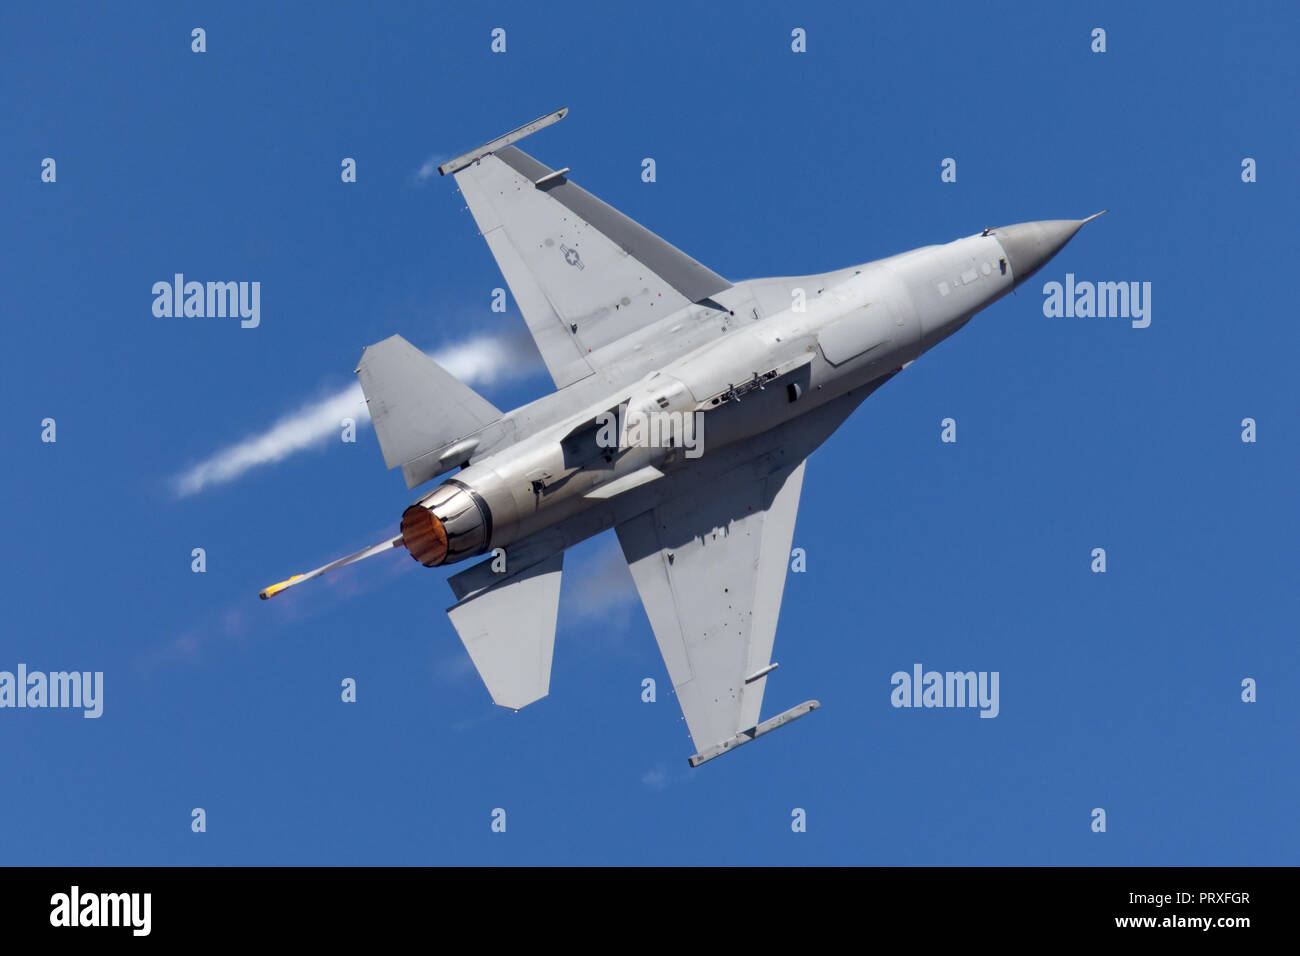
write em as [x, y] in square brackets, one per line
[684, 410]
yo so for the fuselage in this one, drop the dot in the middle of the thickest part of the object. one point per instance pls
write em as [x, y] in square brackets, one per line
[757, 356]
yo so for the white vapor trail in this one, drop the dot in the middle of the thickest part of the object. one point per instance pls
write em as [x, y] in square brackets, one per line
[480, 361]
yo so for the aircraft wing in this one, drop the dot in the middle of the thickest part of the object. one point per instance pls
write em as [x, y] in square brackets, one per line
[710, 568]
[584, 275]
[708, 550]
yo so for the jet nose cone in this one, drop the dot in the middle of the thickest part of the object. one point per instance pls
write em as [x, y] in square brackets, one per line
[1029, 245]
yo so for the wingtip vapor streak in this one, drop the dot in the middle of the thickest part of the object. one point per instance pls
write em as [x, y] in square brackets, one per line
[633, 330]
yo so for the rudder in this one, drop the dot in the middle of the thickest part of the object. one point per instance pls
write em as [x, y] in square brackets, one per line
[419, 409]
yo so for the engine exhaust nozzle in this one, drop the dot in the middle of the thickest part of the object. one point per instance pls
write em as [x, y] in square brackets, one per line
[424, 535]
[448, 524]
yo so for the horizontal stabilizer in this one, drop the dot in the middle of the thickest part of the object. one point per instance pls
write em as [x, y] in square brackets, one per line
[509, 631]
[418, 407]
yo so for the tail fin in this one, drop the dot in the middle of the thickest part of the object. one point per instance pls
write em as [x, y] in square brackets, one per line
[422, 413]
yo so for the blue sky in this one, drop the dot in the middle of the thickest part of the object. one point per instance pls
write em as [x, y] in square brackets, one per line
[1118, 690]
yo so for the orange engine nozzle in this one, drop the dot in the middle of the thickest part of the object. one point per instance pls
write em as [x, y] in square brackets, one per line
[447, 525]
[424, 535]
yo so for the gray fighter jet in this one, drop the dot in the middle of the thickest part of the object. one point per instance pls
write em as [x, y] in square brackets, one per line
[685, 408]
